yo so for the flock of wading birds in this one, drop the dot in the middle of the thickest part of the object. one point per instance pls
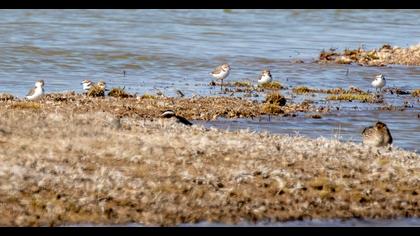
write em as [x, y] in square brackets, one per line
[377, 135]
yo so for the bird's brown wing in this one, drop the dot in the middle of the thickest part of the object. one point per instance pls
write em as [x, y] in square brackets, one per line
[31, 92]
[367, 131]
[389, 136]
[217, 70]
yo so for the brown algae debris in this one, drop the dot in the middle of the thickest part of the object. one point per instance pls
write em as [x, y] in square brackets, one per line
[350, 97]
[351, 90]
[375, 57]
[273, 103]
[247, 85]
[119, 92]
[275, 98]
[6, 97]
[416, 93]
[148, 96]
[314, 116]
[353, 93]
[271, 85]
[242, 84]
[270, 108]
[303, 90]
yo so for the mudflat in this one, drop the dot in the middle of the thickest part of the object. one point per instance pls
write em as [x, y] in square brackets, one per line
[74, 160]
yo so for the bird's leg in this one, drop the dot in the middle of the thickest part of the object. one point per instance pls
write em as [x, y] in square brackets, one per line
[221, 85]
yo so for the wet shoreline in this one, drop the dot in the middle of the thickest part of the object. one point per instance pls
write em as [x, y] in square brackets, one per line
[398, 222]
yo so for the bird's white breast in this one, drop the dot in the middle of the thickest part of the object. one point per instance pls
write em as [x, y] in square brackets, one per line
[265, 79]
[87, 86]
[38, 92]
[378, 83]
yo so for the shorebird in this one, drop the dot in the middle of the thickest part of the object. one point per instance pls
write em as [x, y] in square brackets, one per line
[87, 84]
[265, 77]
[102, 85]
[221, 72]
[179, 119]
[377, 135]
[379, 82]
[97, 90]
[37, 91]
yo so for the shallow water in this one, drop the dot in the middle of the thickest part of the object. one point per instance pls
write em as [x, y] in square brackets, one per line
[342, 125]
[176, 49]
[401, 222]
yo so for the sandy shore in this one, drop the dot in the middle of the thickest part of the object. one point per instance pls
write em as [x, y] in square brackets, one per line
[71, 164]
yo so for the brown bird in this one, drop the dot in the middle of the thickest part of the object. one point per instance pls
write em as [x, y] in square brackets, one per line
[377, 135]
[179, 119]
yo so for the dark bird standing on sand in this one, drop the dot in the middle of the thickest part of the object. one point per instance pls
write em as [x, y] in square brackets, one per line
[378, 135]
[179, 119]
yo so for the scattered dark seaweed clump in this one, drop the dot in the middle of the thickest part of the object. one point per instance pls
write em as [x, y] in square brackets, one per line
[314, 116]
[416, 93]
[358, 97]
[397, 91]
[148, 96]
[303, 90]
[248, 85]
[351, 90]
[328, 55]
[242, 84]
[275, 98]
[119, 92]
[376, 57]
[6, 97]
[273, 103]
[271, 85]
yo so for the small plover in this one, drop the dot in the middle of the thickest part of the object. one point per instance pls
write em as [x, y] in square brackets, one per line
[87, 84]
[377, 135]
[379, 82]
[97, 90]
[265, 77]
[37, 91]
[221, 72]
[102, 85]
[179, 119]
